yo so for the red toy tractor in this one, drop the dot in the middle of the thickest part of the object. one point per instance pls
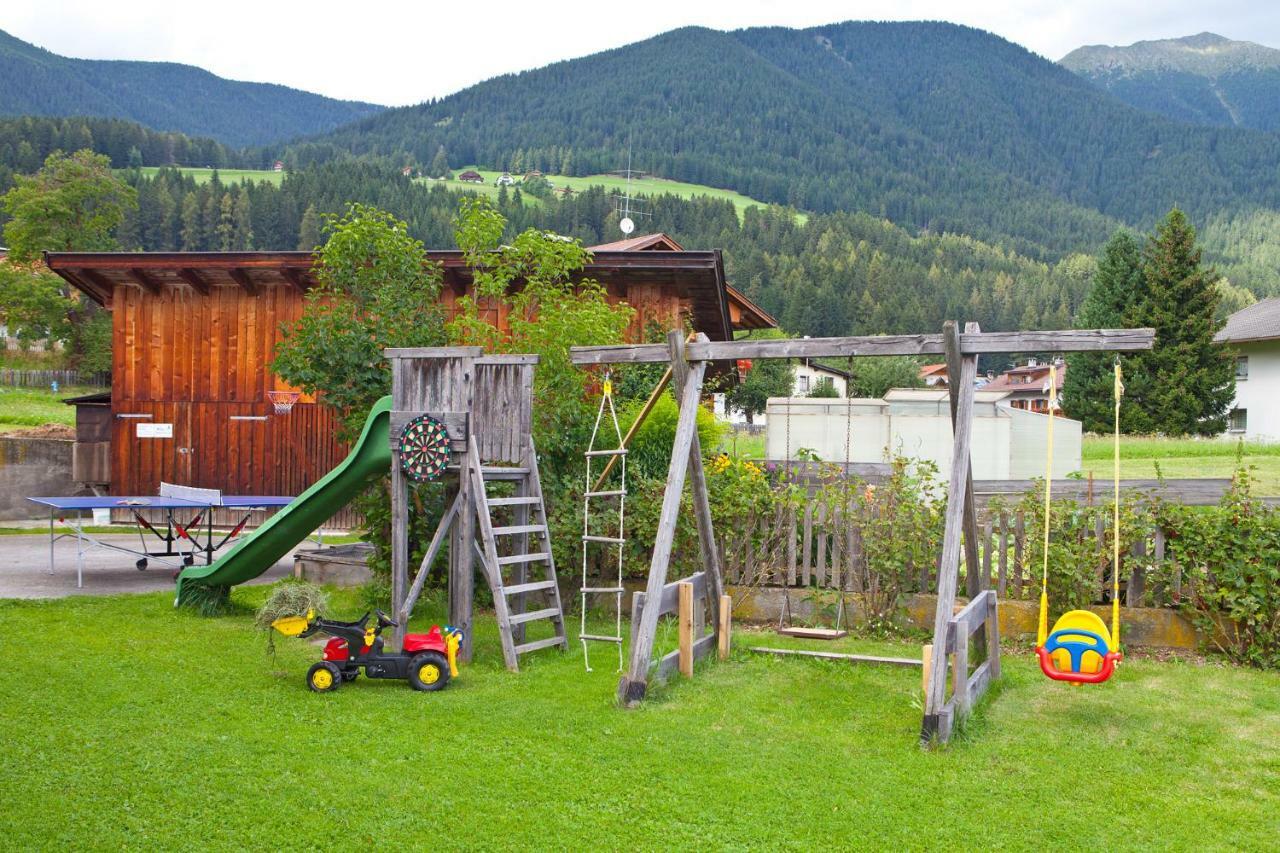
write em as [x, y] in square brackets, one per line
[427, 660]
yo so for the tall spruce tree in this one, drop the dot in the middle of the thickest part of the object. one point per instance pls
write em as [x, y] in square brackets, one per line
[1186, 382]
[1117, 289]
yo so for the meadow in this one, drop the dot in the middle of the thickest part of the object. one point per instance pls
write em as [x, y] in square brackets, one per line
[226, 176]
[136, 725]
[23, 408]
[1143, 457]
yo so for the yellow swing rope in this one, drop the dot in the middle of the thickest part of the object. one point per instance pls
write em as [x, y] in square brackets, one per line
[1042, 628]
[1118, 391]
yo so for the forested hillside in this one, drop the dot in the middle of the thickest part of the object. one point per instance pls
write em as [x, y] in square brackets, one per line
[163, 96]
[933, 126]
[1202, 79]
[830, 274]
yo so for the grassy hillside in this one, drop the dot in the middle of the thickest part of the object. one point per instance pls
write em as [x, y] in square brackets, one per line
[227, 176]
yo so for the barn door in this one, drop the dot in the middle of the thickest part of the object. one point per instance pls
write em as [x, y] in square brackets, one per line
[185, 453]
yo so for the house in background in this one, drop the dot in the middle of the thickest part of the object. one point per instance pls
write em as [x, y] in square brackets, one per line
[471, 177]
[1027, 387]
[1254, 334]
[277, 166]
[934, 375]
[809, 374]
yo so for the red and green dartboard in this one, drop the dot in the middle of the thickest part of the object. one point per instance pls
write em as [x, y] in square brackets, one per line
[424, 448]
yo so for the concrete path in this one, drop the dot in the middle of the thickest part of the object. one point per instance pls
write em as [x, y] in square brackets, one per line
[24, 568]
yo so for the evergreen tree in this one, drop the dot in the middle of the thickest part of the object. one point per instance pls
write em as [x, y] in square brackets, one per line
[309, 230]
[192, 228]
[439, 164]
[1118, 287]
[226, 223]
[1187, 379]
[242, 223]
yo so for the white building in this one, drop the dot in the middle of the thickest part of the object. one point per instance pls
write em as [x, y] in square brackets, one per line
[1254, 333]
[1008, 443]
[805, 374]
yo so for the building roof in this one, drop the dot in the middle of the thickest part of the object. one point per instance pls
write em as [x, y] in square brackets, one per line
[718, 310]
[1016, 379]
[644, 243]
[933, 370]
[1259, 322]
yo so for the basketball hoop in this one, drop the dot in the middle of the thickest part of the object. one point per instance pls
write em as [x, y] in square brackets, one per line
[283, 400]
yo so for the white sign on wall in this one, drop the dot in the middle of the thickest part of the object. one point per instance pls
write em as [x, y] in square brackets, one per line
[155, 430]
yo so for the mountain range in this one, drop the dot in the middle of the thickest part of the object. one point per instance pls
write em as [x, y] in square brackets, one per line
[163, 96]
[1202, 79]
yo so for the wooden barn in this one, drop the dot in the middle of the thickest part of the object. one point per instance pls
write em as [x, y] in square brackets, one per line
[194, 333]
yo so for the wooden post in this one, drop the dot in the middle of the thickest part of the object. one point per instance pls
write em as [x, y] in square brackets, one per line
[462, 575]
[960, 667]
[399, 548]
[632, 685]
[680, 375]
[926, 659]
[724, 627]
[686, 629]
[949, 563]
[993, 633]
[974, 580]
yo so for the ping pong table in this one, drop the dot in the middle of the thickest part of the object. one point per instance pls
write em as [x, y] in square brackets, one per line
[187, 521]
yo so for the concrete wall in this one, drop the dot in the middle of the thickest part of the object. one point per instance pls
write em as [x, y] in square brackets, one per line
[1008, 444]
[31, 467]
[1260, 393]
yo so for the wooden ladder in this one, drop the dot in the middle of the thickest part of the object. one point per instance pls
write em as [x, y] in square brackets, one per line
[527, 542]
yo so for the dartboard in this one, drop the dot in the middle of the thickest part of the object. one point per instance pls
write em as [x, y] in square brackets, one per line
[424, 448]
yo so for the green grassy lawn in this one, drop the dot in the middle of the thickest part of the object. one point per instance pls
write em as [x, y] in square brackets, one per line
[138, 726]
[21, 408]
[639, 187]
[227, 176]
[1178, 458]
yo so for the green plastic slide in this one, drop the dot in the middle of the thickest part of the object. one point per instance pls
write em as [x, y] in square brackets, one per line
[259, 551]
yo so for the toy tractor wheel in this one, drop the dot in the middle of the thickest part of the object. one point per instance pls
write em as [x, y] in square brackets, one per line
[429, 671]
[324, 677]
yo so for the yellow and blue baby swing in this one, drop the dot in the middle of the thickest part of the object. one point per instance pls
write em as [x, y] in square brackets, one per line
[1080, 649]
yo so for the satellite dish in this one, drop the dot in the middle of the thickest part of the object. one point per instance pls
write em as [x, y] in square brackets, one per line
[626, 225]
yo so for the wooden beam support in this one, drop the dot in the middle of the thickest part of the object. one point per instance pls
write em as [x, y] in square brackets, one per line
[99, 281]
[295, 278]
[949, 564]
[632, 686]
[147, 280]
[975, 583]
[193, 278]
[241, 278]
[979, 343]
[685, 619]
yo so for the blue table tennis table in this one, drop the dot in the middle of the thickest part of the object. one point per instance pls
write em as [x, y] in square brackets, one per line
[187, 521]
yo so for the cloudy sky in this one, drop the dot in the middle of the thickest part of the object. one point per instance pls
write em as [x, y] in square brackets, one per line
[401, 53]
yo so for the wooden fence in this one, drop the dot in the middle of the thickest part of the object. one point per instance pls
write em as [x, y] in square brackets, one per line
[815, 546]
[45, 378]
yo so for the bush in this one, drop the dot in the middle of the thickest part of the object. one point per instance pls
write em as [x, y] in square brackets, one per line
[1230, 558]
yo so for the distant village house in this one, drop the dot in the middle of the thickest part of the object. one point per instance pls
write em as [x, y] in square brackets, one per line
[1254, 334]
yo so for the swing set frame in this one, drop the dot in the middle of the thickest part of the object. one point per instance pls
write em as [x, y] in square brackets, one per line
[979, 620]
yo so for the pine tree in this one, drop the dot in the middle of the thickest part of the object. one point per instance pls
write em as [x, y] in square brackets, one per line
[226, 223]
[439, 164]
[242, 223]
[1191, 379]
[1117, 289]
[192, 228]
[309, 230]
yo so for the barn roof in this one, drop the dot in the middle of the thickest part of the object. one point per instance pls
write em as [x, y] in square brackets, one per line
[718, 310]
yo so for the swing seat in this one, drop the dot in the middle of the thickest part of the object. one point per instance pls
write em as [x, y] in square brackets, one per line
[1078, 649]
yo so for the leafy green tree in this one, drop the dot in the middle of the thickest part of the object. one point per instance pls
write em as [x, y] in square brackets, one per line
[824, 388]
[1117, 290]
[1186, 381]
[874, 377]
[73, 204]
[375, 291]
[33, 304]
[549, 307]
[768, 377]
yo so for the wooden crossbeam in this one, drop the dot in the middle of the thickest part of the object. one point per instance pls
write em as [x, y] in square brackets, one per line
[295, 278]
[193, 278]
[147, 280]
[241, 278]
[979, 343]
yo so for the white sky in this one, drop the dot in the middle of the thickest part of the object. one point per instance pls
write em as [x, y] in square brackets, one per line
[404, 52]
